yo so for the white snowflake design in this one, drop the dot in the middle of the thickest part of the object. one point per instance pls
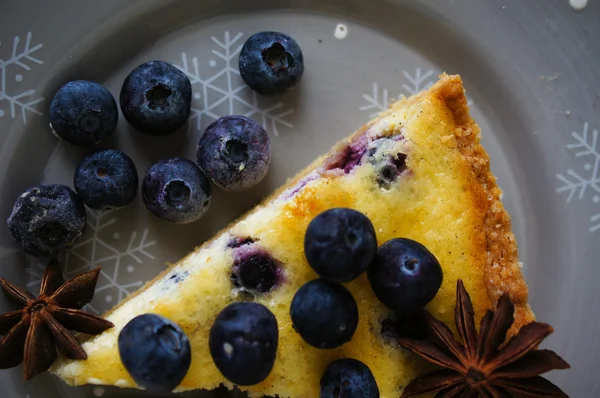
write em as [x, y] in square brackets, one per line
[95, 250]
[229, 90]
[379, 99]
[20, 60]
[584, 184]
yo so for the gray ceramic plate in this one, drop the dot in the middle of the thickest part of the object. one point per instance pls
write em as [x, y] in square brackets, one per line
[532, 72]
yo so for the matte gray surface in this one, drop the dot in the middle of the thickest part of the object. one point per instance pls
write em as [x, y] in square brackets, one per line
[531, 68]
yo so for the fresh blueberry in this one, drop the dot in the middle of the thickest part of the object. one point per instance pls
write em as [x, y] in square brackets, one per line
[243, 342]
[271, 63]
[340, 244]
[47, 219]
[156, 98]
[176, 190]
[155, 352]
[255, 270]
[405, 275]
[324, 313]
[234, 152]
[348, 378]
[83, 113]
[106, 179]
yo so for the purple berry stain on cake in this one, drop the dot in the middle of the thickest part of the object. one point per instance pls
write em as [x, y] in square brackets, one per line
[255, 270]
[350, 156]
[291, 192]
[237, 241]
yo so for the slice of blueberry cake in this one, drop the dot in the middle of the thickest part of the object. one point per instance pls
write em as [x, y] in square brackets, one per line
[417, 172]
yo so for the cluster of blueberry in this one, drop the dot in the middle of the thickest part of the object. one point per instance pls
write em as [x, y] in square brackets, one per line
[234, 151]
[340, 244]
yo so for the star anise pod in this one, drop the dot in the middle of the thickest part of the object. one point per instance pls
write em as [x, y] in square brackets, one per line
[33, 333]
[480, 366]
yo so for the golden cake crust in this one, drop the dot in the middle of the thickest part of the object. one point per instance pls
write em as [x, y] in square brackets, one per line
[492, 252]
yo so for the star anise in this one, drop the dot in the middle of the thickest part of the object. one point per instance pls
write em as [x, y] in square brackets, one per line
[480, 366]
[33, 333]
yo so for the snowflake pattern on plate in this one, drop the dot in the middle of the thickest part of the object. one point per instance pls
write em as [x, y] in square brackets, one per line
[586, 183]
[224, 92]
[21, 60]
[379, 99]
[96, 250]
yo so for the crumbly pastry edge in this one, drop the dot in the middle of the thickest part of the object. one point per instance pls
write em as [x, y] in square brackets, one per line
[502, 271]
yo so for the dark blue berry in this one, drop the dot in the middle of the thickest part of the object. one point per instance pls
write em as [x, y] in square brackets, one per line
[271, 62]
[234, 152]
[348, 378]
[47, 219]
[324, 313]
[155, 352]
[83, 113]
[255, 270]
[156, 98]
[243, 342]
[405, 275]
[340, 244]
[176, 190]
[106, 179]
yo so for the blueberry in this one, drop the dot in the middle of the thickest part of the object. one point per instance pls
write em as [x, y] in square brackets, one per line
[271, 63]
[324, 313]
[176, 190]
[156, 98]
[405, 276]
[243, 342]
[106, 179]
[350, 156]
[256, 271]
[83, 113]
[47, 219]
[234, 152]
[155, 352]
[348, 378]
[340, 244]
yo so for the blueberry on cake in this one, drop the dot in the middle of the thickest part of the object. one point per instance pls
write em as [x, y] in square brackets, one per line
[415, 182]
